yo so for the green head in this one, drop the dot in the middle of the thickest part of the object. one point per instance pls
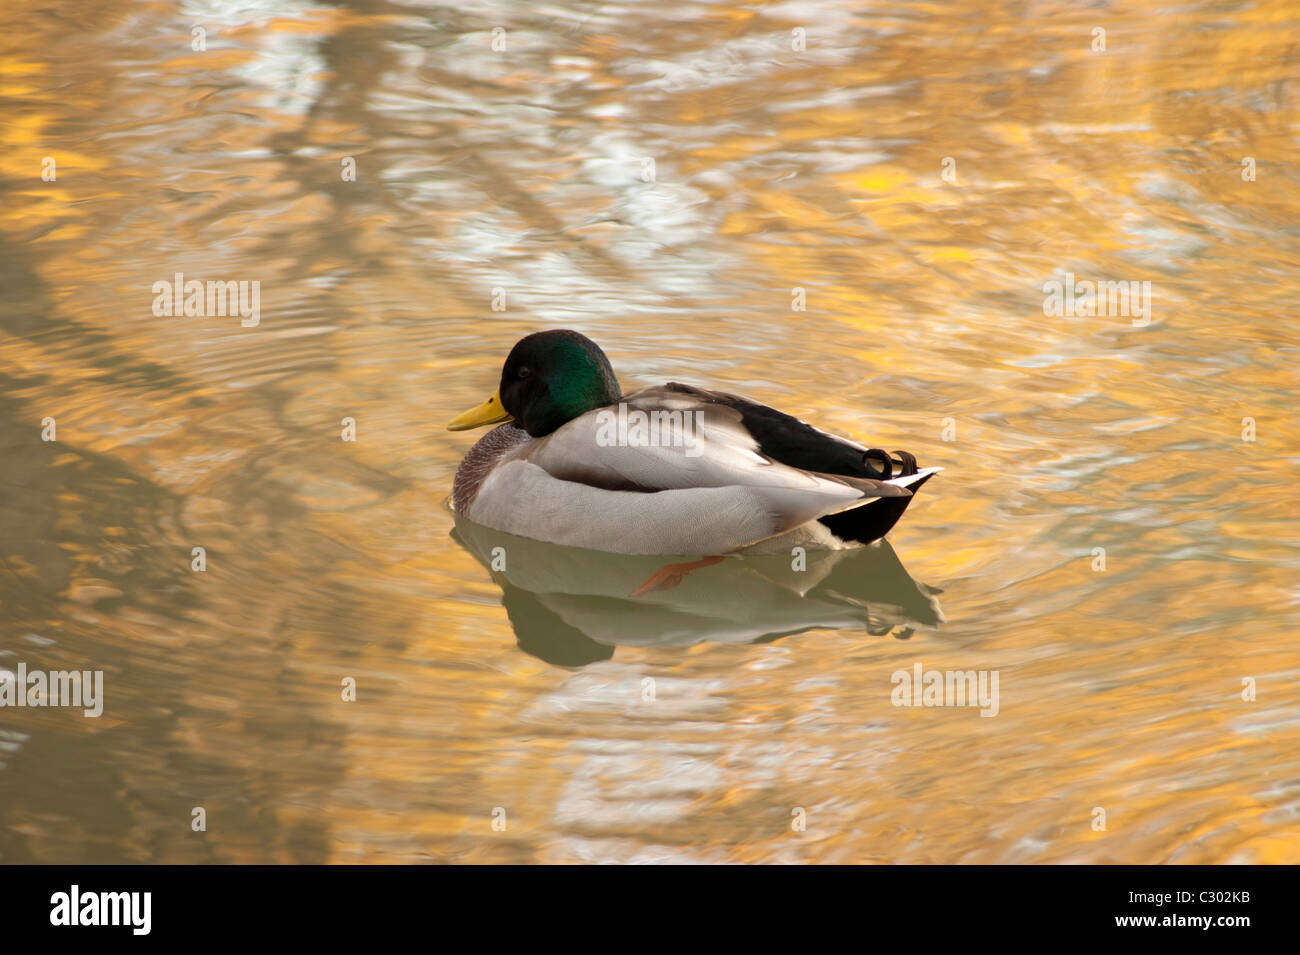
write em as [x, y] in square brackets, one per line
[549, 378]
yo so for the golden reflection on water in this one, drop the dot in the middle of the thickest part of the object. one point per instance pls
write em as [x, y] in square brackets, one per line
[774, 170]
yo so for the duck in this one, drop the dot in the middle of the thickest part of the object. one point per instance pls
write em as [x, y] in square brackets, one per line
[672, 469]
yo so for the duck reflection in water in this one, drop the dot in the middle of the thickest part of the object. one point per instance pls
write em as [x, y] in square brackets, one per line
[570, 606]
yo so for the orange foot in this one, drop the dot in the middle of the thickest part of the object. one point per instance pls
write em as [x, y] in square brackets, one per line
[670, 576]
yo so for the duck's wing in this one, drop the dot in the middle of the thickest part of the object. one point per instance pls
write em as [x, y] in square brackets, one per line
[674, 437]
[795, 443]
[798, 444]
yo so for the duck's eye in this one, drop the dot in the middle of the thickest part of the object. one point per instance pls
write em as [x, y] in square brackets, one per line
[525, 372]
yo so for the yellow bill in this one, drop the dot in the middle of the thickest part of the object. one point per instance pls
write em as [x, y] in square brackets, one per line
[489, 412]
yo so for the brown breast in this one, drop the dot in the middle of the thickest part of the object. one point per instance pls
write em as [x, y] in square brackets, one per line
[479, 462]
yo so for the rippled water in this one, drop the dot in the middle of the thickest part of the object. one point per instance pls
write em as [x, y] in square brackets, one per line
[920, 171]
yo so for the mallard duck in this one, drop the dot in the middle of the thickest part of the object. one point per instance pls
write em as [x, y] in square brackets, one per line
[671, 469]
